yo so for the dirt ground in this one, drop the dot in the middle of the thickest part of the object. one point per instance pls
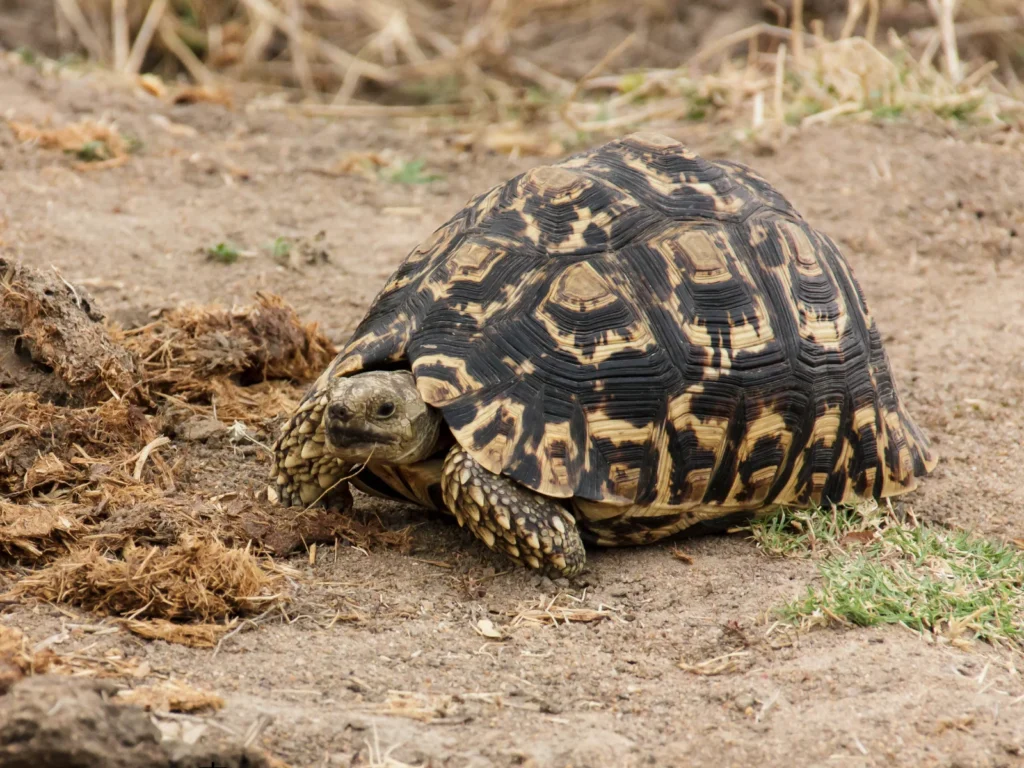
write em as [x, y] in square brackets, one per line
[932, 223]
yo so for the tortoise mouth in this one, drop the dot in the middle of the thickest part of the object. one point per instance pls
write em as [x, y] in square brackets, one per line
[354, 437]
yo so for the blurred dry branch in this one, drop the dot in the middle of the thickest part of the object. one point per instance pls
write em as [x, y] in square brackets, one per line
[767, 64]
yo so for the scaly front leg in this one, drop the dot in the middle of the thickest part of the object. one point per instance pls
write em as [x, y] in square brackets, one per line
[531, 529]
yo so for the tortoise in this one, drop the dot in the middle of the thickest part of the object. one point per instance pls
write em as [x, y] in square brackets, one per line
[610, 349]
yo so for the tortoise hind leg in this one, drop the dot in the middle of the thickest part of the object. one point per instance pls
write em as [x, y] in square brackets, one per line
[531, 529]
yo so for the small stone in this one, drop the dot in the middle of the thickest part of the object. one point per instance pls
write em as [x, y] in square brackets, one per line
[199, 429]
[486, 628]
[562, 582]
[744, 701]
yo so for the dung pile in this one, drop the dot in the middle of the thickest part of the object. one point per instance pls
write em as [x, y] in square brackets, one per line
[198, 581]
[90, 447]
[53, 341]
[62, 467]
[246, 360]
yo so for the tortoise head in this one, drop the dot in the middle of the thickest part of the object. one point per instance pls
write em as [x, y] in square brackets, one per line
[379, 417]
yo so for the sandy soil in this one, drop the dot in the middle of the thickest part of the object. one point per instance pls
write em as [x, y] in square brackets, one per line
[932, 223]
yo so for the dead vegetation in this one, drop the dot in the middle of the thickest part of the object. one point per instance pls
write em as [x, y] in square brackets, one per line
[39, 531]
[60, 454]
[97, 145]
[20, 659]
[171, 696]
[17, 659]
[204, 355]
[88, 485]
[194, 580]
[767, 65]
[561, 609]
[53, 340]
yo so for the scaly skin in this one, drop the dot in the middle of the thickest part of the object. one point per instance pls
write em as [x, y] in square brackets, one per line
[531, 529]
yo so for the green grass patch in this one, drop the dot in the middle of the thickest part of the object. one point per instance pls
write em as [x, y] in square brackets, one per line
[94, 151]
[223, 253]
[27, 55]
[412, 172]
[281, 248]
[877, 569]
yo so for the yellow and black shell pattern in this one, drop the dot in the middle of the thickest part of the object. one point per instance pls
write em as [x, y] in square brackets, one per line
[658, 337]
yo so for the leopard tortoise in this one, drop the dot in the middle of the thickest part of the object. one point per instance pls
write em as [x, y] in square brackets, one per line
[610, 349]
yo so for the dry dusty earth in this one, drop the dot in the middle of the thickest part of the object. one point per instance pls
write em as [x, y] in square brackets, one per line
[933, 224]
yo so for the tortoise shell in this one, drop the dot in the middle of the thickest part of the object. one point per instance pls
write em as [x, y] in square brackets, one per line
[661, 338]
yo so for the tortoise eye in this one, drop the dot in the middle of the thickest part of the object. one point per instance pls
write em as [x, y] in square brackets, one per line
[385, 410]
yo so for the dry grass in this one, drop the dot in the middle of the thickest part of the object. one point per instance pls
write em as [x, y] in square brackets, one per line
[171, 696]
[425, 708]
[556, 610]
[17, 659]
[60, 455]
[736, 661]
[53, 337]
[506, 63]
[94, 470]
[806, 81]
[226, 357]
[191, 635]
[38, 532]
[195, 580]
[97, 145]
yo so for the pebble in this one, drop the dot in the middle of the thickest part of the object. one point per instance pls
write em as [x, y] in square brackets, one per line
[199, 429]
[744, 702]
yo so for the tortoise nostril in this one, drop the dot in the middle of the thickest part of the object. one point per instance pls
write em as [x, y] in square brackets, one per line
[338, 412]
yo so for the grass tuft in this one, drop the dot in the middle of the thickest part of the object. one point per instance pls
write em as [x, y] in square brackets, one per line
[412, 172]
[876, 569]
[223, 253]
[281, 249]
[94, 152]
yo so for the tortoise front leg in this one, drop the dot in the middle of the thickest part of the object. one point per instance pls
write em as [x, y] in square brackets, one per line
[529, 528]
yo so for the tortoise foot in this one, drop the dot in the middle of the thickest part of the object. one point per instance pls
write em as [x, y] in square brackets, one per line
[531, 529]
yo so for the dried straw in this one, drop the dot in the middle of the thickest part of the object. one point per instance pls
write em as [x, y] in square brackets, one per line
[171, 696]
[190, 635]
[196, 580]
[553, 611]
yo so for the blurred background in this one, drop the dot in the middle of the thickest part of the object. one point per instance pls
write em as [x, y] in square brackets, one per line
[583, 66]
